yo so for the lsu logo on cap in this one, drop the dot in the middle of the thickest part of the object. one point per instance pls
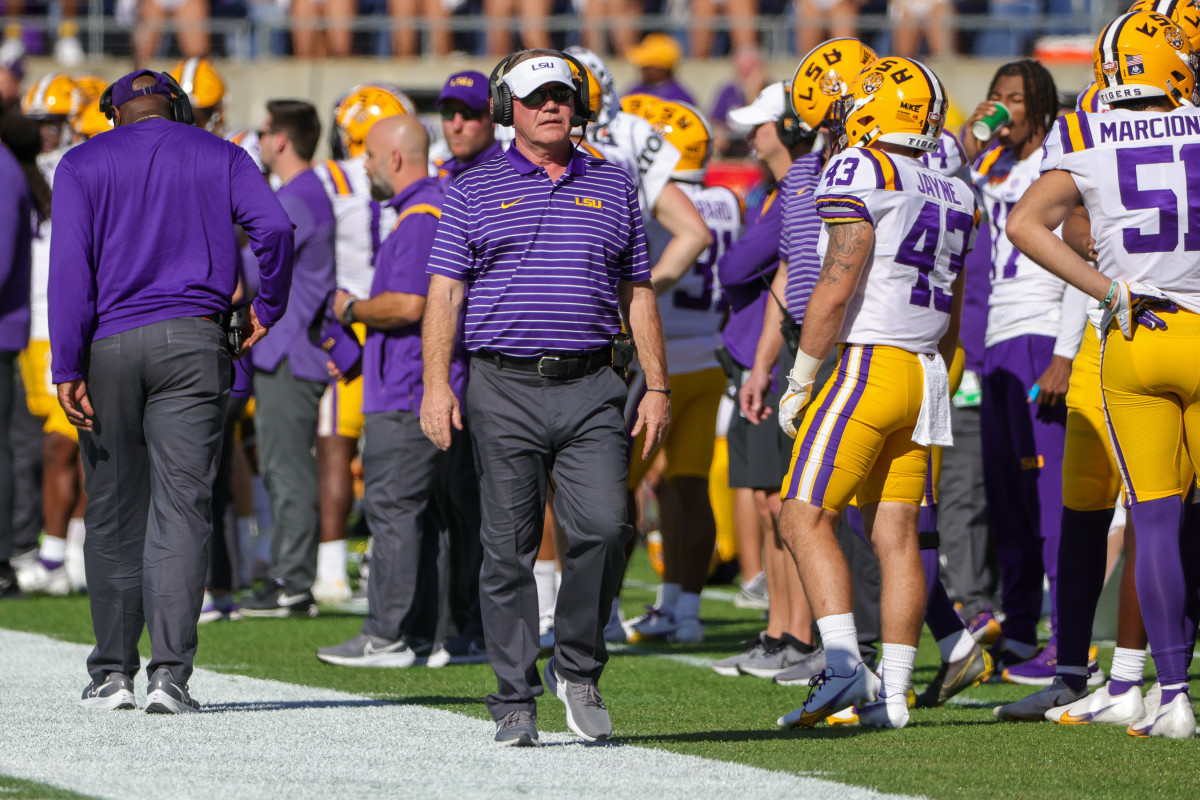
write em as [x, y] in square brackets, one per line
[463, 80]
[542, 65]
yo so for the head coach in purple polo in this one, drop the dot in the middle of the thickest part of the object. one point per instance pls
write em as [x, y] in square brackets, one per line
[142, 269]
[541, 251]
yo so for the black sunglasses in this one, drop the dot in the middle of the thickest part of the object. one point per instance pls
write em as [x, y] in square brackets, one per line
[468, 114]
[558, 93]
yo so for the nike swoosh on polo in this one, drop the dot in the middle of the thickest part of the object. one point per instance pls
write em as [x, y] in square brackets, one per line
[512, 203]
[293, 599]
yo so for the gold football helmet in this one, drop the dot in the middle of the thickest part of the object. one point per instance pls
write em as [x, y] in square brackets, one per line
[684, 127]
[86, 118]
[824, 76]
[639, 104]
[49, 99]
[1143, 54]
[895, 100]
[361, 108]
[200, 80]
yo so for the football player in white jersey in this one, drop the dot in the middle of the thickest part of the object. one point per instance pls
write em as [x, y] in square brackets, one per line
[58, 570]
[1132, 169]
[691, 312]
[359, 223]
[1032, 336]
[889, 296]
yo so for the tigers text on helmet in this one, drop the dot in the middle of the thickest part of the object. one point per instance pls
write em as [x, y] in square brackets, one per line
[897, 101]
[1144, 55]
[684, 127]
[824, 75]
[361, 108]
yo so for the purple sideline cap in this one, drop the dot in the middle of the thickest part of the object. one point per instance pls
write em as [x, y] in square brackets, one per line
[338, 341]
[470, 88]
[123, 90]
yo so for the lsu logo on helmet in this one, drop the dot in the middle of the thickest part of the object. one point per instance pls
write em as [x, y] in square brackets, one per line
[362, 107]
[1185, 14]
[824, 76]
[896, 100]
[1144, 54]
[685, 128]
[639, 104]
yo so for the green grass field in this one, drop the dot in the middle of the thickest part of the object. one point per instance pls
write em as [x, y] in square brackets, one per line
[662, 701]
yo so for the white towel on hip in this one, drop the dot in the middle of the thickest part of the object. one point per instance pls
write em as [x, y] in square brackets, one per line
[933, 423]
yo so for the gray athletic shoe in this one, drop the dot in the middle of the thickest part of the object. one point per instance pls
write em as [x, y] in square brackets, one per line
[801, 674]
[1034, 707]
[971, 670]
[114, 694]
[753, 593]
[365, 650]
[786, 653]
[586, 713]
[729, 665]
[165, 696]
[517, 729]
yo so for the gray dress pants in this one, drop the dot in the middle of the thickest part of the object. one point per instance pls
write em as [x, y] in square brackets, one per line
[286, 423]
[963, 517]
[525, 430]
[159, 394]
[26, 436]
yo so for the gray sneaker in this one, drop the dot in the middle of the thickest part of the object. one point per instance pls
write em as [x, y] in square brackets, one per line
[753, 593]
[586, 713]
[801, 674]
[365, 650]
[786, 653]
[165, 696]
[517, 729]
[114, 694]
[1034, 707]
[729, 665]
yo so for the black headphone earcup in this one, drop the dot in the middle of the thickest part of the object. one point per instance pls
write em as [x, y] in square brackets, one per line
[106, 102]
[500, 95]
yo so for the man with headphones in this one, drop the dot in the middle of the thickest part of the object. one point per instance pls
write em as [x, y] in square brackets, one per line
[539, 250]
[142, 364]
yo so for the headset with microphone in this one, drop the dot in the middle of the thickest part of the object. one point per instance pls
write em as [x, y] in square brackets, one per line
[502, 97]
[791, 132]
[181, 107]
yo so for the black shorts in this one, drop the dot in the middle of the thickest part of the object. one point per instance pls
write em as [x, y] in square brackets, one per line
[759, 454]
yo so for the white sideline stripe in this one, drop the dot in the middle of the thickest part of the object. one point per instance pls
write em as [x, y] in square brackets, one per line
[304, 742]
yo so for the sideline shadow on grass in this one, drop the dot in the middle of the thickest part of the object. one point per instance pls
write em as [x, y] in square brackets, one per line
[294, 705]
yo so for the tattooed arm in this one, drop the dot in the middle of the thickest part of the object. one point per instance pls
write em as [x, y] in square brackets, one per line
[849, 250]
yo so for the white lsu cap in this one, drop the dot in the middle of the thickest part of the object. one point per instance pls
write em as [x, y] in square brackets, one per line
[528, 76]
[767, 107]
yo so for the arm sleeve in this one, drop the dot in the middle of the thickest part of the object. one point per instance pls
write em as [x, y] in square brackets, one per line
[841, 195]
[269, 229]
[756, 253]
[16, 214]
[1052, 149]
[451, 255]
[71, 293]
[406, 252]
[1073, 323]
[635, 263]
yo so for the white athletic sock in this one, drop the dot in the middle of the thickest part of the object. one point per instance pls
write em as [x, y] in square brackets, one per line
[1128, 665]
[897, 667]
[331, 561]
[76, 532]
[955, 646]
[687, 606]
[53, 549]
[543, 575]
[668, 596]
[839, 637]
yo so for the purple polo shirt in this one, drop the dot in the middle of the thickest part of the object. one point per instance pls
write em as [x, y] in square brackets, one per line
[729, 98]
[453, 168]
[745, 272]
[667, 90]
[392, 359]
[541, 260]
[141, 234]
[313, 278]
[801, 230]
[16, 238]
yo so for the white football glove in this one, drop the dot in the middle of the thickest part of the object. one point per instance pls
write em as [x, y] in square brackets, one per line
[795, 398]
[1136, 304]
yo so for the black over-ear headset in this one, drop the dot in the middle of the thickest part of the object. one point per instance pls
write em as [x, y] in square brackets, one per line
[502, 98]
[790, 131]
[181, 107]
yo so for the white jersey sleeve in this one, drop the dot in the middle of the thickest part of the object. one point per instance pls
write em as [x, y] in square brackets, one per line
[359, 222]
[39, 320]
[1138, 173]
[924, 225]
[654, 158]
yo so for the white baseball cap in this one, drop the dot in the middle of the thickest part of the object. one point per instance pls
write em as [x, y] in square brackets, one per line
[767, 107]
[528, 76]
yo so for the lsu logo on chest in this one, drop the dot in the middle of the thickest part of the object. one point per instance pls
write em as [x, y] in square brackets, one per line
[588, 202]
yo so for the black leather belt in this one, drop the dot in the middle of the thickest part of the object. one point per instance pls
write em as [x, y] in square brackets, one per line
[557, 366]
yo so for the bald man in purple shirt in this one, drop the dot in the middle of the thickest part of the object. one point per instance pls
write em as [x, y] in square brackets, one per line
[142, 269]
[540, 249]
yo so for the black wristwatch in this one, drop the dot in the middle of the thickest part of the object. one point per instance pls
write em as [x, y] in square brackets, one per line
[348, 311]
